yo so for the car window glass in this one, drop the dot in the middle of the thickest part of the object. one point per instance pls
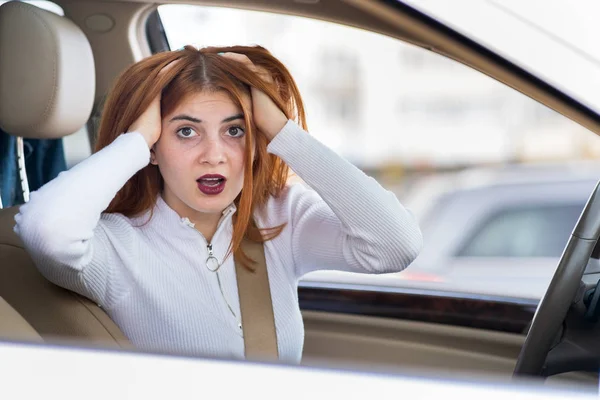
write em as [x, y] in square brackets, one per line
[524, 232]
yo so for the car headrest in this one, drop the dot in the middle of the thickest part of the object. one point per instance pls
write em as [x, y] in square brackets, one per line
[47, 73]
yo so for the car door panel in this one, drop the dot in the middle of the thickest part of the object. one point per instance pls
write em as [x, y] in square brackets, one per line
[395, 345]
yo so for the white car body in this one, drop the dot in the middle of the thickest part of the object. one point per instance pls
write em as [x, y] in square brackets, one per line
[93, 374]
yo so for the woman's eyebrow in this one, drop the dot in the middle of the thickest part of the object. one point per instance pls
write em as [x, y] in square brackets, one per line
[183, 117]
[233, 118]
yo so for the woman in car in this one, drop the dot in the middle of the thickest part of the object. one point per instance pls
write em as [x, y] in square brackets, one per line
[192, 158]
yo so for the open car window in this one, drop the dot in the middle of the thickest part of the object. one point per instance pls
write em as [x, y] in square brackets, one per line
[425, 127]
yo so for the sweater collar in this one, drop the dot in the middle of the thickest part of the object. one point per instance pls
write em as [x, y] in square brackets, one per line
[166, 219]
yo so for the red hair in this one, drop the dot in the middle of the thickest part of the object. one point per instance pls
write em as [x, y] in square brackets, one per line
[197, 71]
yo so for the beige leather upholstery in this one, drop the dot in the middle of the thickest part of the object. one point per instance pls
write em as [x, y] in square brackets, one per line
[58, 315]
[14, 327]
[47, 89]
[47, 73]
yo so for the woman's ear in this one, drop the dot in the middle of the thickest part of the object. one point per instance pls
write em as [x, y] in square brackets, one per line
[153, 157]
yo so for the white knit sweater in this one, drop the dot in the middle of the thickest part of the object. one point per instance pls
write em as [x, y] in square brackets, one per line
[152, 279]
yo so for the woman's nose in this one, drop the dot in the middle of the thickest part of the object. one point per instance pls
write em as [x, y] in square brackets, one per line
[212, 152]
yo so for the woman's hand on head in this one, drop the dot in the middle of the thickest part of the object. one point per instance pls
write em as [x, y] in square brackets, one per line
[269, 119]
[149, 124]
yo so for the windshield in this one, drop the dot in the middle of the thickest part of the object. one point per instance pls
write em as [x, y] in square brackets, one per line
[551, 39]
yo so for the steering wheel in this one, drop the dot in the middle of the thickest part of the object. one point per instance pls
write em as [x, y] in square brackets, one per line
[557, 300]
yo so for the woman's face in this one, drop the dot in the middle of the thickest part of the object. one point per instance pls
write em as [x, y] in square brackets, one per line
[200, 154]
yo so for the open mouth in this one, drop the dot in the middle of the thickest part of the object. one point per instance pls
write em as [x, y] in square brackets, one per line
[211, 184]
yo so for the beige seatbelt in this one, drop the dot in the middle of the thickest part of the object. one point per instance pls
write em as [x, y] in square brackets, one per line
[256, 305]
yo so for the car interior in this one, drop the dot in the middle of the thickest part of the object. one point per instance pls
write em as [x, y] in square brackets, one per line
[54, 73]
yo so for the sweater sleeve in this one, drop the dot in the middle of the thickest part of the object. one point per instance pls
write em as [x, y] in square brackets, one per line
[348, 222]
[63, 229]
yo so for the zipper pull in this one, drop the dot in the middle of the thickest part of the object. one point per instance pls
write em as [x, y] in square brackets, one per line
[212, 263]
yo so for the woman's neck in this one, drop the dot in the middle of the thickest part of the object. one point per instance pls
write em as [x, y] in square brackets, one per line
[205, 223]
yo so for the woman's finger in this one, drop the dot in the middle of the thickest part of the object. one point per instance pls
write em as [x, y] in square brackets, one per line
[238, 57]
[242, 58]
[168, 67]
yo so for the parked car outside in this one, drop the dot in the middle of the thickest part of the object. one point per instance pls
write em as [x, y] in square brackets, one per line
[488, 231]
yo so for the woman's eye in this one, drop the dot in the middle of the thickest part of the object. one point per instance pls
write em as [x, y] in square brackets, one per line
[186, 132]
[236, 131]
